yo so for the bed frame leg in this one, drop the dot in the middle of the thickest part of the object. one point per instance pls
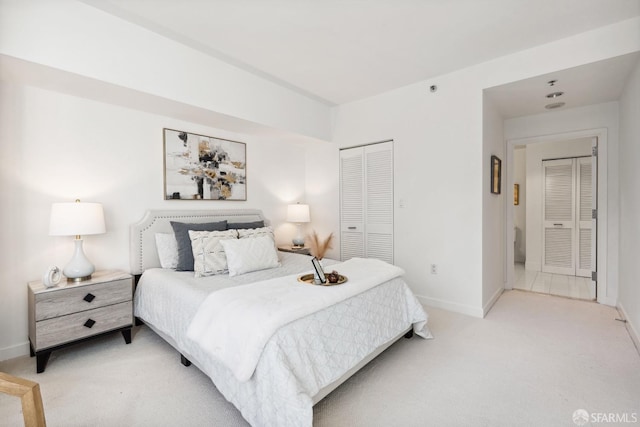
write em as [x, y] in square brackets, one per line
[409, 334]
[185, 361]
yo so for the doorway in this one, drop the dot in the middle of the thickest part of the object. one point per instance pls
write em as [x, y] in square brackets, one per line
[525, 233]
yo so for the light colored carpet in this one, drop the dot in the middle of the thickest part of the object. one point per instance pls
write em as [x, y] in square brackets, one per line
[533, 361]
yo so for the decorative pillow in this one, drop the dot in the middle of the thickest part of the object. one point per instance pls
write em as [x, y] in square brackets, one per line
[181, 231]
[246, 255]
[208, 254]
[256, 232]
[245, 225]
[167, 250]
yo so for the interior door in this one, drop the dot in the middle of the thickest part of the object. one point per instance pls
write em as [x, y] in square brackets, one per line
[366, 202]
[352, 203]
[379, 201]
[584, 234]
[558, 214]
[594, 216]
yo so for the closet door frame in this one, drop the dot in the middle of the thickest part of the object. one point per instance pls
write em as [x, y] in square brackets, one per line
[374, 228]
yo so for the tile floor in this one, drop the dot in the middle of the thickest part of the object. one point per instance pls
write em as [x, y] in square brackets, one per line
[553, 284]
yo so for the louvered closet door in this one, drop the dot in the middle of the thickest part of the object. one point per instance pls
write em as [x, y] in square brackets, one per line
[379, 201]
[352, 203]
[584, 205]
[558, 208]
[366, 202]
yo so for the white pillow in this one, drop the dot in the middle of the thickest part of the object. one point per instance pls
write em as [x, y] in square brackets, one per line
[256, 232]
[208, 254]
[246, 255]
[167, 247]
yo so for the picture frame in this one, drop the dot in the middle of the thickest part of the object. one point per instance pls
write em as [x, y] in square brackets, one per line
[516, 194]
[496, 174]
[318, 269]
[201, 167]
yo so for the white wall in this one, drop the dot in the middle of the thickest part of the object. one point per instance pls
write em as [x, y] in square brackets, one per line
[77, 38]
[520, 210]
[440, 162]
[535, 154]
[493, 207]
[438, 171]
[55, 147]
[601, 119]
[629, 291]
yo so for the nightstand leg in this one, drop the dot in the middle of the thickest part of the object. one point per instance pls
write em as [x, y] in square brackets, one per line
[127, 335]
[41, 361]
[31, 352]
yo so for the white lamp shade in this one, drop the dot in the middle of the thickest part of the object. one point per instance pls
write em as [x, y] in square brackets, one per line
[298, 213]
[76, 219]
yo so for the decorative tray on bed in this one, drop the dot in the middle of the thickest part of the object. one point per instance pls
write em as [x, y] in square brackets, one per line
[308, 278]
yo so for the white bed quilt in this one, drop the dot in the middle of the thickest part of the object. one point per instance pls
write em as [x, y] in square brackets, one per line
[258, 310]
[305, 355]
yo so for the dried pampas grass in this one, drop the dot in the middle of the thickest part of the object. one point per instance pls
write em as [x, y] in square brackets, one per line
[317, 247]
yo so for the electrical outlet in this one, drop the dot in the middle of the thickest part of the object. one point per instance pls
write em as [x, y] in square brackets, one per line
[434, 269]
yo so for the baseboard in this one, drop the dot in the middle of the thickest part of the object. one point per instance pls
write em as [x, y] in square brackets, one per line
[492, 301]
[633, 330]
[14, 351]
[451, 306]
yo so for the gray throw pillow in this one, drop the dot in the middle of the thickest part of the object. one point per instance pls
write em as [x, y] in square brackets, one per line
[244, 225]
[181, 231]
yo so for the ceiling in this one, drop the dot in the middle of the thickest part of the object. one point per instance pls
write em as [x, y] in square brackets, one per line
[589, 84]
[338, 51]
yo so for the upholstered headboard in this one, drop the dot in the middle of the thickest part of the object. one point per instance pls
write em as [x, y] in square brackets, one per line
[142, 242]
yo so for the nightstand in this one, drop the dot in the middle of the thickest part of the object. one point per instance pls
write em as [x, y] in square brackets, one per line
[295, 249]
[72, 312]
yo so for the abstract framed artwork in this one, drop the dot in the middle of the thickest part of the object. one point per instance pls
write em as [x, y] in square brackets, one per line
[199, 167]
[496, 172]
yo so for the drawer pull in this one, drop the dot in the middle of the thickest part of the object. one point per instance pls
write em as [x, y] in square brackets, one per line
[351, 228]
[89, 323]
[89, 297]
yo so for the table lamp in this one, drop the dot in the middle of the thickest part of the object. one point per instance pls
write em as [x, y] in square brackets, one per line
[299, 214]
[77, 219]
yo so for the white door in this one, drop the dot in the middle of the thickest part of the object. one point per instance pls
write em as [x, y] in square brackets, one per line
[379, 201]
[569, 227]
[558, 215]
[584, 231]
[366, 202]
[594, 216]
[352, 203]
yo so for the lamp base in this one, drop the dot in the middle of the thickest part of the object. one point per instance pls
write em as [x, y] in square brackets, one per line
[78, 279]
[298, 241]
[79, 268]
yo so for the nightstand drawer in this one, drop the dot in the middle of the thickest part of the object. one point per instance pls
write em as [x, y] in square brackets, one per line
[80, 298]
[60, 330]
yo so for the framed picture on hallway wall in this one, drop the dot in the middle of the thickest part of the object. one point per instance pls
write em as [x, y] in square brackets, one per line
[200, 167]
[496, 174]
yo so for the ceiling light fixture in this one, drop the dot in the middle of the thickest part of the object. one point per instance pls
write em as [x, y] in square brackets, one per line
[554, 105]
[555, 94]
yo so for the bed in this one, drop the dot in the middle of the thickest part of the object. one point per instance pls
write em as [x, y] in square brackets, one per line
[303, 359]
